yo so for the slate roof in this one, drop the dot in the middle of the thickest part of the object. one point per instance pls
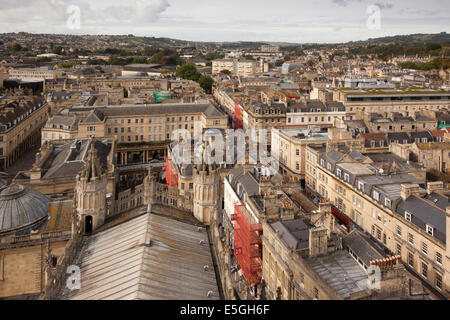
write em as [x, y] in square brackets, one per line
[294, 233]
[160, 109]
[425, 211]
[356, 242]
[69, 158]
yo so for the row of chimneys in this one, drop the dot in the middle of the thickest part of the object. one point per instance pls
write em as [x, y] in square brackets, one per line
[387, 262]
[413, 189]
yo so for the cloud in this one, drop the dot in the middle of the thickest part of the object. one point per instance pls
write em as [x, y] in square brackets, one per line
[102, 11]
[384, 6]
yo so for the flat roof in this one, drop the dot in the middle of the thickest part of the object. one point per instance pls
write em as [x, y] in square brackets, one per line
[357, 168]
[341, 272]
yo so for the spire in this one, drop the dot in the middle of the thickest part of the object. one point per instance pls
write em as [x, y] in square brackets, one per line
[92, 167]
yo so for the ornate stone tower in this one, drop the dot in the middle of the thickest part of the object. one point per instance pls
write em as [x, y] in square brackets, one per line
[206, 192]
[91, 193]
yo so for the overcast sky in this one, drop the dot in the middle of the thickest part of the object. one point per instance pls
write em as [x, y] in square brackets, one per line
[229, 20]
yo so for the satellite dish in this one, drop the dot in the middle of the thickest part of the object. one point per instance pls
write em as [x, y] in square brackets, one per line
[381, 171]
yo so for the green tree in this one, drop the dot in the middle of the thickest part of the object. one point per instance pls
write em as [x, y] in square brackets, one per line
[287, 58]
[206, 83]
[15, 47]
[225, 71]
[188, 71]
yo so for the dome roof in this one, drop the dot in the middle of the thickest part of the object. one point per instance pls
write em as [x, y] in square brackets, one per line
[21, 208]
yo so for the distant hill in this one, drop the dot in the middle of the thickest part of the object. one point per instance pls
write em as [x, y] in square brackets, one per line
[409, 39]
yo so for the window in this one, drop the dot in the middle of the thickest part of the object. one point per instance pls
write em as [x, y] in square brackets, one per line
[424, 248]
[430, 230]
[439, 258]
[297, 152]
[339, 172]
[346, 177]
[411, 259]
[398, 250]
[376, 195]
[379, 217]
[399, 231]
[424, 270]
[360, 185]
[378, 234]
[387, 203]
[439, 281]
[410, 238]
[408, 216]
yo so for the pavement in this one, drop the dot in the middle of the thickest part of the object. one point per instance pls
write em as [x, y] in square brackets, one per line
[25, 161]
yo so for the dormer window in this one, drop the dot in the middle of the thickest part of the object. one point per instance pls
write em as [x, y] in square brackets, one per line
[346, 177]
[360, 186]
[376, 195]
[430, 230]
[322, 162]
[408, 216]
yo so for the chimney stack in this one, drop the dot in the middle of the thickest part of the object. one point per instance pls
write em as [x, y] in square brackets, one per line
[409, 190]
[318, 241]
[437, 186]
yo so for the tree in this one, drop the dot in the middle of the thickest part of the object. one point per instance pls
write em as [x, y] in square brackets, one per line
[206, 83]
[15, 47]
[188, 71]
[310, 63]
[225, 71]
[287, 58]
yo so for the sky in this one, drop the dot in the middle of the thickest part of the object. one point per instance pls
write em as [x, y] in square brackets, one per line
[297, 21]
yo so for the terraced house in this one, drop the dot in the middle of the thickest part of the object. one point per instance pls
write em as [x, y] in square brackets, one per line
[20, 124]
[138, 129]
[394, 205]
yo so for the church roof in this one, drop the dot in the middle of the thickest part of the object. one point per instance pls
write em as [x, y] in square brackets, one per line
[147, 258]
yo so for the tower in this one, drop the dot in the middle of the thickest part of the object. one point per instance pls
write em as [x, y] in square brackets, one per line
[149, 187]
[91, 192]
[206, 192]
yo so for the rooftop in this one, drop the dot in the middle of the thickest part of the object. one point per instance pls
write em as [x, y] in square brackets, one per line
[147, 258]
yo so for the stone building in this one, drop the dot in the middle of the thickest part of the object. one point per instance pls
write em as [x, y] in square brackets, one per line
[91, 187]
[31, 226]
[20, 124]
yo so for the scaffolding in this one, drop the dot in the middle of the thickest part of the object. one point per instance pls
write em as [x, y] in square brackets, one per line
[247, 243]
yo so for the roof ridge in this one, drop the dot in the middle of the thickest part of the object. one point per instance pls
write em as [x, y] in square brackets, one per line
[429, 202]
